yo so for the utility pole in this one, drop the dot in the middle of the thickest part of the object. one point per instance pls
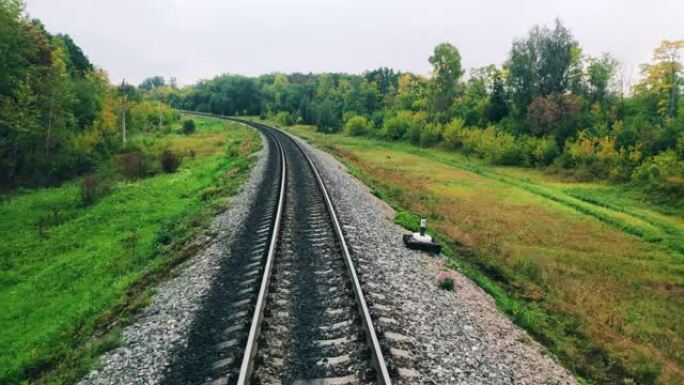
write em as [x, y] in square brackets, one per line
[160, 115]
[123, 111]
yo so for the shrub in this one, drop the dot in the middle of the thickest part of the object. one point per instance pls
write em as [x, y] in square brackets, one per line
[453, 133]
[597, 157]
[132, 165]
[357, 125]
[169, 162]
[446, 280]
[663, 173]
[417, 126]
[396, 127]
[92, 188]
[284, 118]
[188, 127]
[544, 150]
[430, 135]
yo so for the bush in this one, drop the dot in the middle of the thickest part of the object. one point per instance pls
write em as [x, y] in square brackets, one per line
[453, 133]
[284, 118]
[430, 135]
[92, 188]
[662, 173]
[169, 162]
[188, 127]
[357, 125]
[446, 280]
[133, 165]
[544, 150]
[395, 128]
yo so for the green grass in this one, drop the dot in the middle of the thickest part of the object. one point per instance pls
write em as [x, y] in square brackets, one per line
[595, 272]
[64, 281]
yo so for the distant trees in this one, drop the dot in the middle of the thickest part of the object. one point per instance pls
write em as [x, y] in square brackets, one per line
[547, 105]
[152, 83]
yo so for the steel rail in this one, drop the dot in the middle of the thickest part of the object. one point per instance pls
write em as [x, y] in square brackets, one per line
[376, 352]
[377, 357]
[255, 328]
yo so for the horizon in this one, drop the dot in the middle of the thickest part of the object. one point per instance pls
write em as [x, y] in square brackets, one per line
[336, 37]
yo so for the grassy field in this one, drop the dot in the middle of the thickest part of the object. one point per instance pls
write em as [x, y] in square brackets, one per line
[594, 271]
[67, 271]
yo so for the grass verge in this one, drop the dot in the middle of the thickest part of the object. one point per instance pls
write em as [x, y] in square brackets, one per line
[71, 275]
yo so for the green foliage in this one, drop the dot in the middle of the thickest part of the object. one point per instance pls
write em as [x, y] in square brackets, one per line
[328, 117]
[540, 64]
[87, 260]
[447, 70]
[169, 162]
[357, 125]
[408, 220]
[188, 127]
[547, 106]
[284, 118]
[59, 116]
[600, 72]
[453, 133]
[396, 127]
[662, 173]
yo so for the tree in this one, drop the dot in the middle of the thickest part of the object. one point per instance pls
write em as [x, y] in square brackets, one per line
[498, 107]
[14, 49]
[554, 115]
[663, 79]
[475, 100]
[152, 83]
[80, 64]
[327, 116]
[447, 70]
[600, 71]
[411, 92]
[539, 65]
[58, 98]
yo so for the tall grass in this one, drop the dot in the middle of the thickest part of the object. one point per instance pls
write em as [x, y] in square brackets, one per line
[598, 278]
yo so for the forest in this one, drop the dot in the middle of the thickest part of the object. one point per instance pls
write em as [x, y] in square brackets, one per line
[548, 105]
[59, 115]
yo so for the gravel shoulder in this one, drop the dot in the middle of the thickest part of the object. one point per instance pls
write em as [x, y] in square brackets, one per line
[454, 337]
[163, 327]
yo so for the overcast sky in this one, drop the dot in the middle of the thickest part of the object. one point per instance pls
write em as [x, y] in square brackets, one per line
[196, 39]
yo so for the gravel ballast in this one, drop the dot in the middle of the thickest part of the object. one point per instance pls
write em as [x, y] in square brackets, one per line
[438, 337]
[454, 337]
[163, 327]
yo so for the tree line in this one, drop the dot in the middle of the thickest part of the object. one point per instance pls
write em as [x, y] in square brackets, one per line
[549, 105]
[59, 115]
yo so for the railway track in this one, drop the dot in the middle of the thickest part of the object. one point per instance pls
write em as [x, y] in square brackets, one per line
[288, 307]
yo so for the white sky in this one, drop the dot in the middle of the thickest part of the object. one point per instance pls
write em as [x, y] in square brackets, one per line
[194, 39]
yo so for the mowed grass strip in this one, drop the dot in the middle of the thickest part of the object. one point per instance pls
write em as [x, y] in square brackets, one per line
[587, 279]
[59, 281]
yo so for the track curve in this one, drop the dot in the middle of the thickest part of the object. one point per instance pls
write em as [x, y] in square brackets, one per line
[301, 317]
